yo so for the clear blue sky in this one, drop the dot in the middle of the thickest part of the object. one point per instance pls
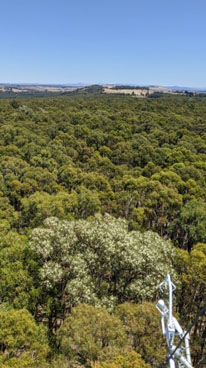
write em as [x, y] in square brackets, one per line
[103, 41]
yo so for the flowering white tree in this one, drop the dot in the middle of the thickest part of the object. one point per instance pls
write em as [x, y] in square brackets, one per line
[100, 262]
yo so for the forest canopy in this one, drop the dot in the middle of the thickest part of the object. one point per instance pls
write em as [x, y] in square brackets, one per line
[100, 197]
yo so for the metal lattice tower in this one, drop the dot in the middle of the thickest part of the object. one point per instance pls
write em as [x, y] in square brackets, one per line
[177, 357]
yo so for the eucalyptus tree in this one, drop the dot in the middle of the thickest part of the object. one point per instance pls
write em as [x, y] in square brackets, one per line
[99, 262]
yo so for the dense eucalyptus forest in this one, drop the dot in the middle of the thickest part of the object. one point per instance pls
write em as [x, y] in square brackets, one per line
[100, 197]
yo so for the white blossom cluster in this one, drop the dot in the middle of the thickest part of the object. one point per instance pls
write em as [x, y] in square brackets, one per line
[100, 262]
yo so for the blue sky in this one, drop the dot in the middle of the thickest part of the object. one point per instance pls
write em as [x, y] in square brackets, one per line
[103, 41]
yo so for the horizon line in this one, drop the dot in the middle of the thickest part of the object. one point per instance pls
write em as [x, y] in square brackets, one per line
[101, 84]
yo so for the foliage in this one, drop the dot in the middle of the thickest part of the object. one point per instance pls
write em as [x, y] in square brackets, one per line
[16, 264]
[193, 294]
[22, 342]
[141, 161]
[190, 227]
[142, 325]
[91, 334]
[130, 360]
[99, 262]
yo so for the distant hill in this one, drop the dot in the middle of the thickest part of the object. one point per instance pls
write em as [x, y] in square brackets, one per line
[191, 89]
[96, 88]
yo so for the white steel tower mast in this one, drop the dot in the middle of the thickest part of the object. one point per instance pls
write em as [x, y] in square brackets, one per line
[171, 328]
